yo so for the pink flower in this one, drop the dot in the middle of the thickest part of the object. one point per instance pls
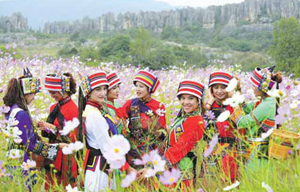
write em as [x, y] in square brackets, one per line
[212, 145]
[29, 164]
[126, 182]
[170, 177]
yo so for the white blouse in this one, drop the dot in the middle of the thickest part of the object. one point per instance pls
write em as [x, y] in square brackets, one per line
[96, 128]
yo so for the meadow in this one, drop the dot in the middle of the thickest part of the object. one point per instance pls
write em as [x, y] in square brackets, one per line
[277, 175]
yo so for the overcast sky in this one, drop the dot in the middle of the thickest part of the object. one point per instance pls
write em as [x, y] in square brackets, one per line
[199, 3]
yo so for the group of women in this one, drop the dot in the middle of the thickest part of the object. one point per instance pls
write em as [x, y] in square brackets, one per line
[142, 120]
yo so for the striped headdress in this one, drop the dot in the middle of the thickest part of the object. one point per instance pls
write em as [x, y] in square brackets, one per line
[190, 87]
[30, 84]
[261, 78]
[219, 77]
[147, 78]
[113, 80]
[92, 81]
[59, 83]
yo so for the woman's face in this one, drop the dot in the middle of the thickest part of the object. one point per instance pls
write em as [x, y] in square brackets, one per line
[56, 95]
[29, 98]
[98, 94]
[189, 103]
[141, 90]
[257, 92]
[113, 93]
[219, 92]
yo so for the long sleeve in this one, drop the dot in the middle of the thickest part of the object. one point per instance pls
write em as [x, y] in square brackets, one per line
[48, 151]
[248, 107]
[96, 130]
[263, 111]
[123, 112]
[194, 129]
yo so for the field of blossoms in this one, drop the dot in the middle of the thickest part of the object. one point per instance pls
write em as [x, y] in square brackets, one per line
[279, 175]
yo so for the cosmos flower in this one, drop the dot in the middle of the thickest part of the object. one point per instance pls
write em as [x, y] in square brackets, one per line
[69, 126]
[126, 182]
[170, 177]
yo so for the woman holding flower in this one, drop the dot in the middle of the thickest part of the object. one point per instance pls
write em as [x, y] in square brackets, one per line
[258, 117]
[98, 127]
[20, 93]
[218, 82]
[61, 88]
[147, 121]
[187, 130]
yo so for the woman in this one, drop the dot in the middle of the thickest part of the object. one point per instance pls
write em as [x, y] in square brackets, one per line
[147, 121]
[97, 130]
[61, 88]
[20, 93]
[114, 83]
[187, 130]
[258, 117]
[218, 82]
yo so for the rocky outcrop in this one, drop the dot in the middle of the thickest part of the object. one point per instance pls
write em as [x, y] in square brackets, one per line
[251, 11]
[15, 23]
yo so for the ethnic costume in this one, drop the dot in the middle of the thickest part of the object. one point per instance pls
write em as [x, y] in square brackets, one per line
[64, 110]
[226, 147]
[98, 126]
[147, 121]
[114, 80]
[184, 134]
[257, 117]
[30, 141]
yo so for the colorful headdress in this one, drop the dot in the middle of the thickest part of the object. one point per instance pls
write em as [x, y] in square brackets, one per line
[113, 80]
[219, 77]
[147, 78]
[261, 78]
[28, 83]
[190, 87]
[92, 81]
[57, 83]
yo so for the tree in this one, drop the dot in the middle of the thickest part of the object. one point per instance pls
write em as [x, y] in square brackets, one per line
[286, 45]
[141, 47]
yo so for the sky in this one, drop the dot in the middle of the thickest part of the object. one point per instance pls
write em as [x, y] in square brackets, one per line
[199, 3]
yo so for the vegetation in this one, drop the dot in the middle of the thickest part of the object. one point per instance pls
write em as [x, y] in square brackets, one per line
[286, 45]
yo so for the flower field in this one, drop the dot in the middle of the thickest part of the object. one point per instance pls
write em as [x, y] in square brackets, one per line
[277, 175]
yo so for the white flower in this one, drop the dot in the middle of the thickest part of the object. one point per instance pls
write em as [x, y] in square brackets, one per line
[69, 126]
[116, 164]
[70, 189]
[72, 148]
[170, 177]
[115, 150]
[294, 104]
[149, 112]
[232, 85]
[161, 112]
[155, 160]
[276, 93]
[128, 179]
[267, 187]
[235, 100]
[223, 116]
[13, 154]
[234, 185]
[29, 164]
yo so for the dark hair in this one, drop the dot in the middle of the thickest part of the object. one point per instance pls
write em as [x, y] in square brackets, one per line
[72, 84]
[277, 77]
[14, 94]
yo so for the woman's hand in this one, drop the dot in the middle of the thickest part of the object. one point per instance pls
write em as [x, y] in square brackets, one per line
[44, 125]
[131, 169]
[62, 145]
[211, 99]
